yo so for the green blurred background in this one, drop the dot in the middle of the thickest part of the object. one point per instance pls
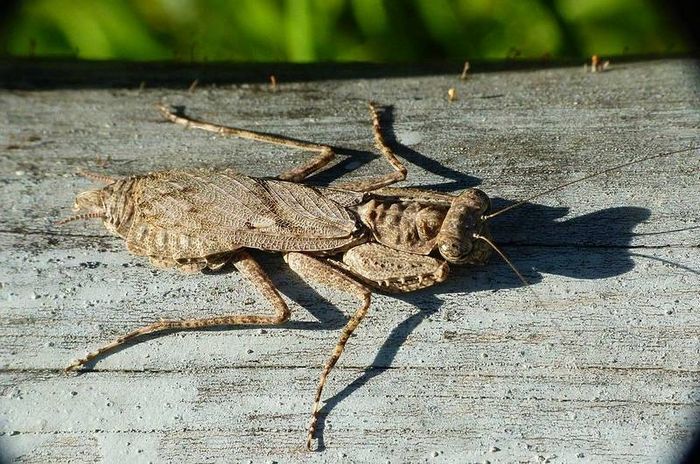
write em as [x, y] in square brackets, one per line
[337, 30]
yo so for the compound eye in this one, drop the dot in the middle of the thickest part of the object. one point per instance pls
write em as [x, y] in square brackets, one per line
[454, 251]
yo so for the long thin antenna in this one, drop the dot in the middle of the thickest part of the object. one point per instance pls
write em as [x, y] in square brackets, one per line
[510, 264]
[505, 258]
[566, 184]
[98, 177]
[79, 217]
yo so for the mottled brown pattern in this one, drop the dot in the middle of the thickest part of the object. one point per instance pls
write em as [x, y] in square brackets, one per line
[404, 225]
[392, 270]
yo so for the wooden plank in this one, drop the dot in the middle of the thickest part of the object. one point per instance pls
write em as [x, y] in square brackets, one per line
[600, 365]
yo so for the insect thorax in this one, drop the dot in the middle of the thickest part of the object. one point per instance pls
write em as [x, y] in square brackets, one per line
[403, 225]
[423, 227]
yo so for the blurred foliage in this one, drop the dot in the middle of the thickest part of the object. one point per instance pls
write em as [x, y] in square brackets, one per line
[337, 30]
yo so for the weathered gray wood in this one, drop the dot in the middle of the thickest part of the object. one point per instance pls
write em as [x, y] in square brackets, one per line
[602, 366]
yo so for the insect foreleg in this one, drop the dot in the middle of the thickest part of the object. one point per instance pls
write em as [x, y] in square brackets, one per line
[325, 153]
[249, 268]
[314, 269]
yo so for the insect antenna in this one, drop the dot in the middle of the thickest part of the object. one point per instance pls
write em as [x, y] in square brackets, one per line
[511, 265]
[98, 177]
[505, 258]
[78, 217]
[576, 181]
[667, 262]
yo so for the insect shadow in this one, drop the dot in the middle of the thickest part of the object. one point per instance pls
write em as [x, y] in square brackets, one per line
[355, 158]
[592, 246]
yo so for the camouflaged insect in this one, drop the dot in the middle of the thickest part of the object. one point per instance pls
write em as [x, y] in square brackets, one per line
[355, 237]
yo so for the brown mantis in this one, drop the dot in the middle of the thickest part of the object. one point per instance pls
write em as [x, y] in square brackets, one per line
[355, 237]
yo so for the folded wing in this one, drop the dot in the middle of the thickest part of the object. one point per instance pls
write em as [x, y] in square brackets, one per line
[223, 210]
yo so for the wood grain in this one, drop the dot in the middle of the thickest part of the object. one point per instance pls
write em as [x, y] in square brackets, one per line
[599, 362]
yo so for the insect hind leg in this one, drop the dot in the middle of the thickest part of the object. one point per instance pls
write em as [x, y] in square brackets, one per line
[320, 271]
[298, 174]
[249, 268]
[325, 152]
